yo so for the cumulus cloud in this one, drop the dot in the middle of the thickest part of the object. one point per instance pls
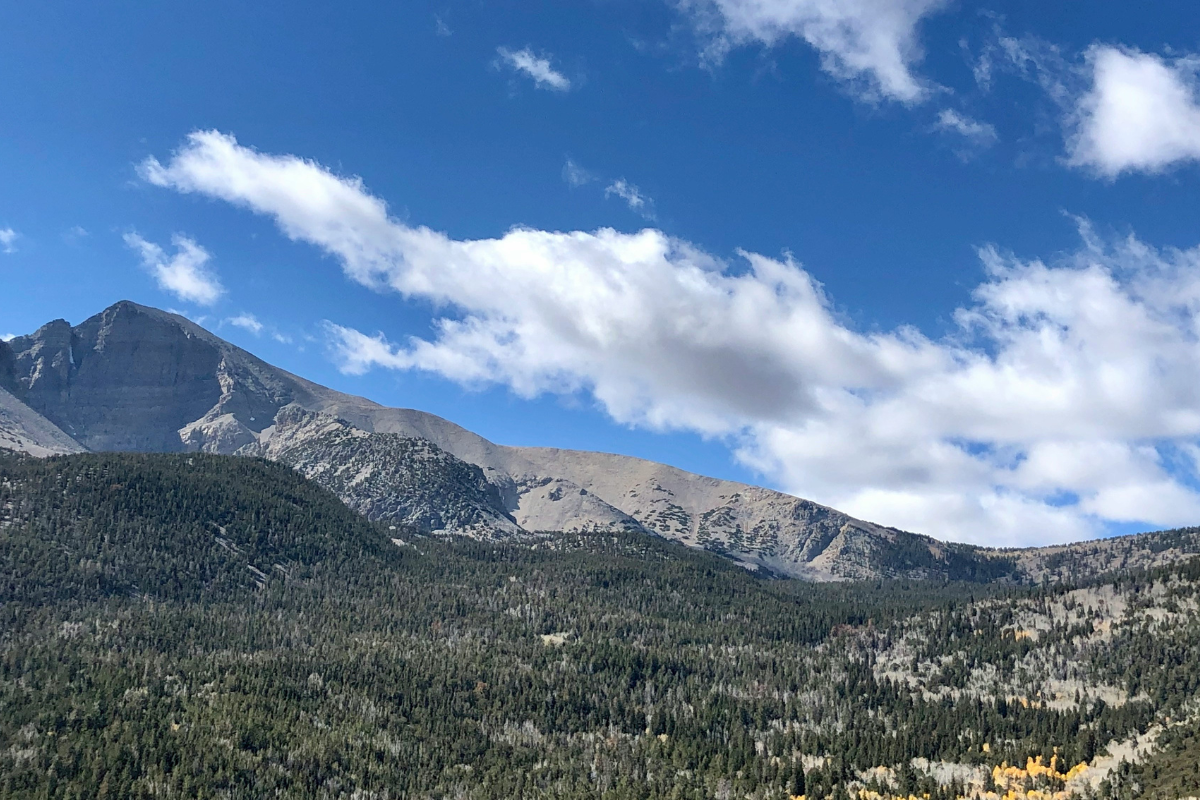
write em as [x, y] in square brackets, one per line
[974, 131]
[184, 274]
[1121, 110]
[632, 196]
[1140, 114]
[7, 337]
[859, 40]
[8, 240]
[526, 62]
[1065, 400]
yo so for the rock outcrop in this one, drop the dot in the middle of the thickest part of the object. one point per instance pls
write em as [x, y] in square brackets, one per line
[387, 477]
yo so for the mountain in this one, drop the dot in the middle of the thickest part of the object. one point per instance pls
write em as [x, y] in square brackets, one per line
[195, 625]
[139, 379]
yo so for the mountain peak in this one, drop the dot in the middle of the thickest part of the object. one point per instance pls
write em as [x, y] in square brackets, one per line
[134, 377]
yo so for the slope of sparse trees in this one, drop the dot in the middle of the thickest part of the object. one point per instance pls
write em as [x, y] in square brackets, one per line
[201, 626]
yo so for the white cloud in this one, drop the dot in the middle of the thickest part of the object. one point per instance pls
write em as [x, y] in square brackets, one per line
[252, 324]
[576, 175]
[8, 239]
[247, 322]
[976, 132]
[1140, 114]
[7, 337]
[536, 67]
[185, 274]
[871, 40]
[440, 26]
[632, 196]
[1065, 400]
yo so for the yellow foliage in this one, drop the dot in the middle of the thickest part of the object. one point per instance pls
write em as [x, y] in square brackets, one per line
[1012, 782]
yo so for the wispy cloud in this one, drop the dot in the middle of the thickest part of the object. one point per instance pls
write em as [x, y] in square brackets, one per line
[1121, 110]
[976, 132]
[440, 26]
[185, 274]
[576, 175]
[632, 196]
[527, 63]
[247, 322]
[252, 324]
[8, 240]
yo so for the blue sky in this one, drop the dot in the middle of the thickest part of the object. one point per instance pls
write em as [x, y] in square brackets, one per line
[929, 262]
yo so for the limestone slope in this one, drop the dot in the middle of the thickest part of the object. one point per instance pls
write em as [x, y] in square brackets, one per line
[754, 525]
[25, 431]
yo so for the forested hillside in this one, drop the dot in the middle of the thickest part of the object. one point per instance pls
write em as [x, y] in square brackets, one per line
[208, 626]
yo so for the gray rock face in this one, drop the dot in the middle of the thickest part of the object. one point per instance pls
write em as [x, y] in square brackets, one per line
[8, 375]
[386, 476]
[21, 428]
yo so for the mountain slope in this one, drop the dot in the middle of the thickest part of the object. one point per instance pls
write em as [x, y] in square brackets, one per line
[24, 430]
[21, 428]
[206, 626]
[758, 526]
[139, 379]
[136, 378]
[168, 527]
[387, 477]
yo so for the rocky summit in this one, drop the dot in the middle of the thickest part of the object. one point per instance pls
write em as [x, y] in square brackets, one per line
[134, 378]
